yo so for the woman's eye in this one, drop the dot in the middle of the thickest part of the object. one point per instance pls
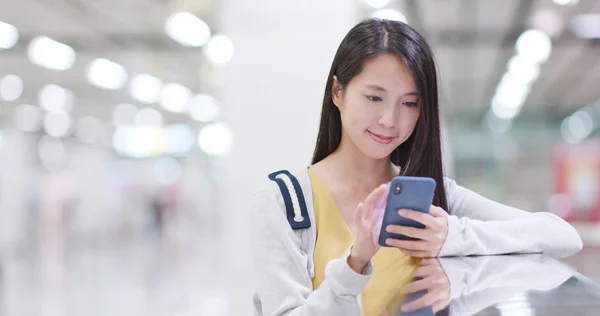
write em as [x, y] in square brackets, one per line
[411, 104]
[373, 98]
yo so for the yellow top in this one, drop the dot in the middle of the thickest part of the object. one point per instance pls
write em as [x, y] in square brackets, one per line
[392, 268]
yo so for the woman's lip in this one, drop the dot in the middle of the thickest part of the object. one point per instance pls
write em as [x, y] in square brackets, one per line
[380, 138]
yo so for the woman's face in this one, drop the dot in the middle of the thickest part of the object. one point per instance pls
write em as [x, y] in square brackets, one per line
[379, 107]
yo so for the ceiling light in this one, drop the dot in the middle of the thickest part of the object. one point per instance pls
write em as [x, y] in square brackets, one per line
[219, 49]
[175, 97]
[377, 4]
[148, 117]
[390, 14]
[54, 98]
[106, 74]
[57, 124]
[9, 35]
[566, 2]
[204, 108]
[11, 88]
[51, 54]
[534, 46]
[145, 88]
[215, 139]
[187, 29]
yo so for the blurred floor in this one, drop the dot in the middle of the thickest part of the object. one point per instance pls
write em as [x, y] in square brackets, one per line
[177, 274]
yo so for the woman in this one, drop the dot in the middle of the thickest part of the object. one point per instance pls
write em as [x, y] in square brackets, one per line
[380, 119]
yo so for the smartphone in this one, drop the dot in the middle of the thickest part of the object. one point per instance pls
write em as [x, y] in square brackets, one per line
[413, 193]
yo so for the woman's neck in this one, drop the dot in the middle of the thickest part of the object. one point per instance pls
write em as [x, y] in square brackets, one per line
[350, 166]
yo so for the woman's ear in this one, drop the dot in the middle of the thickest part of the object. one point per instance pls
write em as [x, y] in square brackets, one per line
[336, 91]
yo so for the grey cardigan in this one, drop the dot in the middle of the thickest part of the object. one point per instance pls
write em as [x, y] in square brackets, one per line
[283, 258]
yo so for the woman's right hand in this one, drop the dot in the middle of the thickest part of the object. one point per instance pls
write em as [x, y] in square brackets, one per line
[367, 220]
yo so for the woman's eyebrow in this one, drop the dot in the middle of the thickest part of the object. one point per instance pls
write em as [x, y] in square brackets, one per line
[379, 88]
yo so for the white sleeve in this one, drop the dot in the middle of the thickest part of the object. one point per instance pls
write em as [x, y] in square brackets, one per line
[283, 284]
[479, 226]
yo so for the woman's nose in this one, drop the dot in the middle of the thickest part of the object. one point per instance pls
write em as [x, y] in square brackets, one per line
[387, 117]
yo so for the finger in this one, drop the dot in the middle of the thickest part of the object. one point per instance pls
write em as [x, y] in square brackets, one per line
[420, 217]
[377, 205]
[425, 300]
[417, 245]
[373, 198]
[418, 254]
[439, 305]
[381, 198]
[424, 271]
[377, 211]
[437, 211]
[418, 285]
[428, 262]
[413, 232]
[358, 213]
[436, 270]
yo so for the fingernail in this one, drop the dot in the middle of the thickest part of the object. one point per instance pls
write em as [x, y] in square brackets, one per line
[402, 212]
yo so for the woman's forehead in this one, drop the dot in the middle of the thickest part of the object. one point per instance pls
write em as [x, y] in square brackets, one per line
[386, 72]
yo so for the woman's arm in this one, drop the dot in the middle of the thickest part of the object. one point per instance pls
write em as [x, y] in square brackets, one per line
[479, 226]
[283, 283]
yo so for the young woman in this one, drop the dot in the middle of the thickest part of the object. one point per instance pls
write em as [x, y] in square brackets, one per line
[380, 119]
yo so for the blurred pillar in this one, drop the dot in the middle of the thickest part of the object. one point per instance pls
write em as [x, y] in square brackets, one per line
[272, 92]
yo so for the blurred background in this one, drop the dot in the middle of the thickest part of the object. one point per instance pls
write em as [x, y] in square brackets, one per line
[133, 133]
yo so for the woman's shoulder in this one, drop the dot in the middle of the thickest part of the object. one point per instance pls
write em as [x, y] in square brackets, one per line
[452, 193]
[449, 184]
[273, 185]
[267, 194]
[278, 207]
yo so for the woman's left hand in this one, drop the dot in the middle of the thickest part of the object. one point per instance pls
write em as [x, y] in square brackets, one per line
[430, 239]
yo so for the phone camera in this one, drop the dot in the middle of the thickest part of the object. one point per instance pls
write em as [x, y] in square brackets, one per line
[398, 188]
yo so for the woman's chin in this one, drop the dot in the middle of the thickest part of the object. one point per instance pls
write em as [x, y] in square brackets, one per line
[378, 153]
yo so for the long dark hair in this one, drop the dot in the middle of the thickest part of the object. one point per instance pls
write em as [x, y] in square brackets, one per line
[420, 154]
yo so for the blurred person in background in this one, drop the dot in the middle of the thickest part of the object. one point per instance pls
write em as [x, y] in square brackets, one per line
[380, 119]
[159, 209]
[163, 205]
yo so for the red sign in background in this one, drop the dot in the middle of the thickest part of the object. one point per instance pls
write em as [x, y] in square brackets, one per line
[576, 181]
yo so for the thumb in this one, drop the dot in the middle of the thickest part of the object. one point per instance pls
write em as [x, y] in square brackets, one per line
[437, 211]
[359, 212]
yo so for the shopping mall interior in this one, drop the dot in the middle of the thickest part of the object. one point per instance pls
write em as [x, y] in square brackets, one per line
[134, 133]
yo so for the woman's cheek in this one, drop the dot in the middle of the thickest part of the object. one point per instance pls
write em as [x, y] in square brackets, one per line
[357, 117]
